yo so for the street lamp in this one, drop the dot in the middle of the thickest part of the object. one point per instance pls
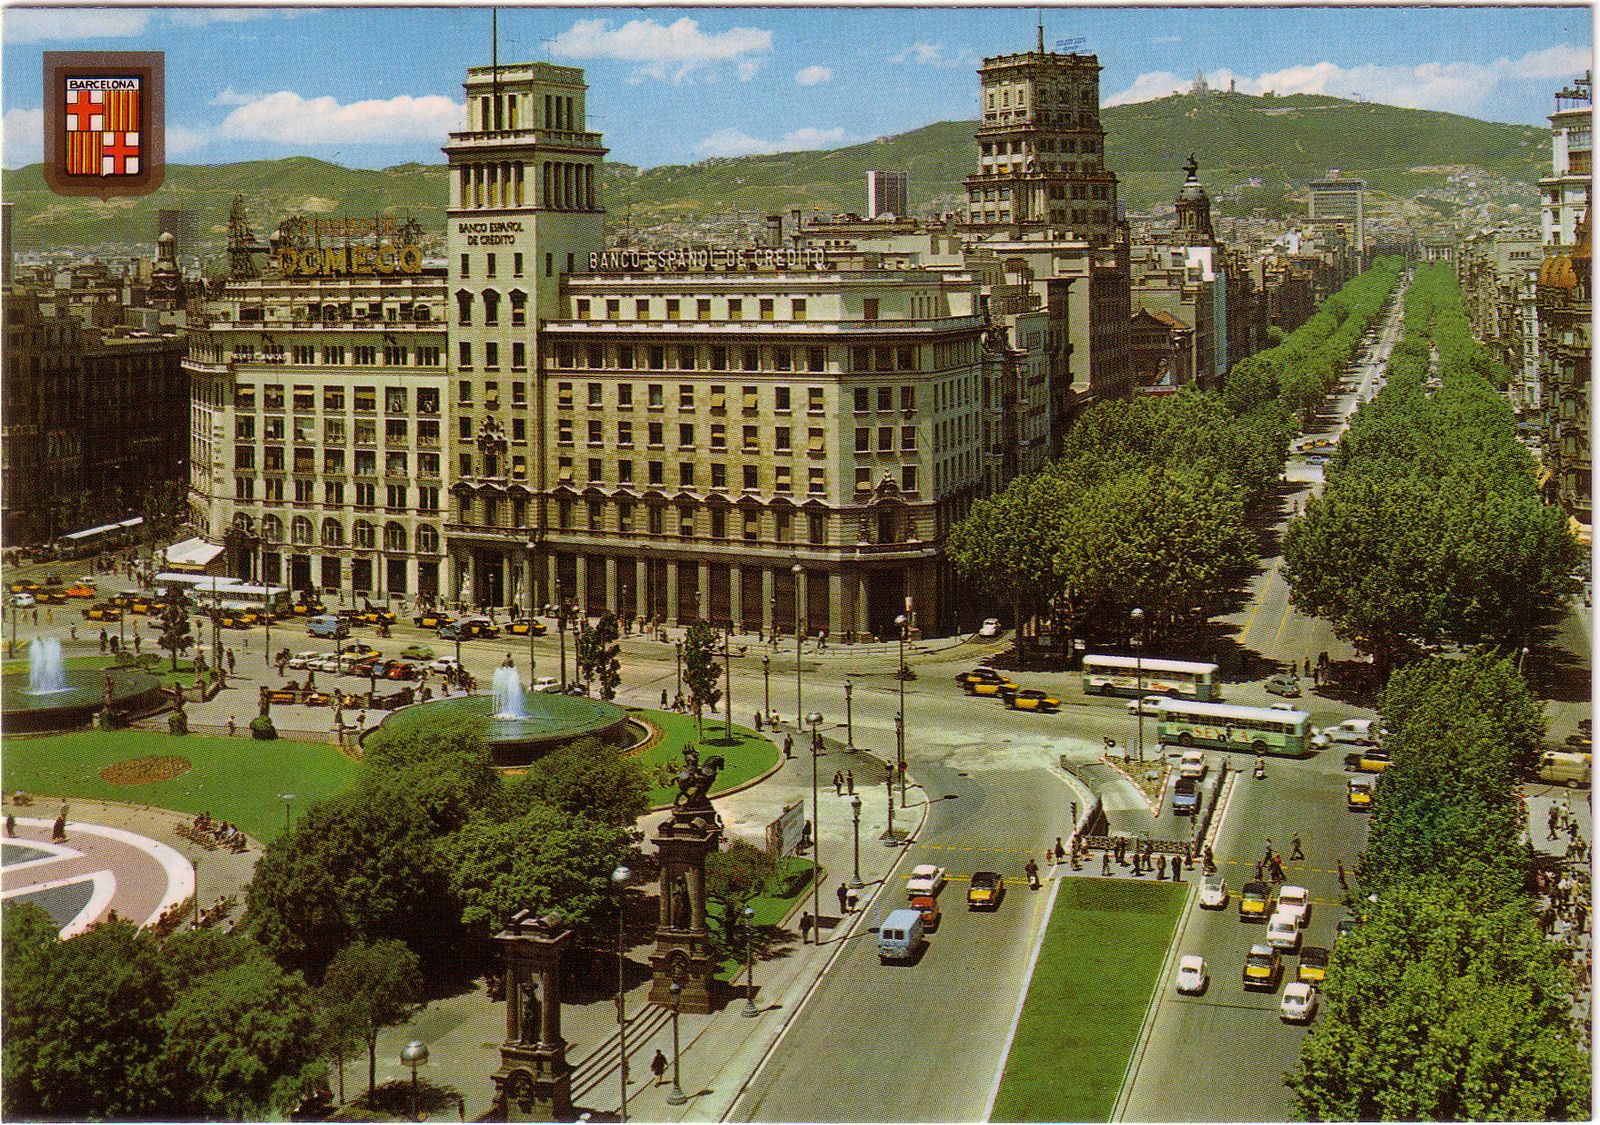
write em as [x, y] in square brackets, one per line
[889, 838]
[561, 628]
[532, 667]
[196, 862]
[1137, 617]
[677, 666]
[750, 1009]
[815, 719]
[855, 820]
[619, 880]
[849, 721]
[900, 719]
[727, 688]
[287, 799]
[766, 684]
[414, 1054]
[677, 1096]
[796, 570]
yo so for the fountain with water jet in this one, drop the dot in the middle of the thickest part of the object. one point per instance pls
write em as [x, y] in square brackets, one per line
[51, 696]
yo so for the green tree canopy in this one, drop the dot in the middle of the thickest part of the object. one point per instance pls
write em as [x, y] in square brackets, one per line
[701, 670]
[585, 778]
[370, 986]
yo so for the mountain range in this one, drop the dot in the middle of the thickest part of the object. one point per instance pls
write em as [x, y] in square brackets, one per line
[1254, 152]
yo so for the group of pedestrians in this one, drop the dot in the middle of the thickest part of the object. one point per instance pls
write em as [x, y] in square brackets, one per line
[1564, 902]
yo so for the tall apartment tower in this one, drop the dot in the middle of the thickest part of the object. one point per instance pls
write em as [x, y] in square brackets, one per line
[1341, 202]
[524, 210]
[888, 194]
[1041, 150]
[179, 223]
[1566, 189]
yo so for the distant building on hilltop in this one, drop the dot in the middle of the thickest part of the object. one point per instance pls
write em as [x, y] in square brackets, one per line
[888, 193]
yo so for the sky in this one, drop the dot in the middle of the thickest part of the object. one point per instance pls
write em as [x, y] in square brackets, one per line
[373, 87]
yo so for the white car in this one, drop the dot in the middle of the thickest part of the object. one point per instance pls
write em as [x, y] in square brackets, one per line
[1214, 893]
[1297, 901]
[547, 683]
[1192, 976]
[926, 879]
[324, 662]
[1299, 1002]
[1192, 764]
[1282, 706]
[1147, 705]
[1283, 931]
[443, 665]
[24, 600]
[303, 659]
[990, 627]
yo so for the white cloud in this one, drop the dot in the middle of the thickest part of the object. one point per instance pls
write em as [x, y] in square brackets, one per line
[664, 52]
[287, 118]
[42, 25]
[929, 54]
[1458, 87]
[733, 142]
[748, 68]
[24, 137]
[1167, 40]
[200, 17]
[813, 75]
[181, 140]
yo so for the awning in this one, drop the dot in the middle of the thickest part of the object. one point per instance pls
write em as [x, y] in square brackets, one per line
[192, 554]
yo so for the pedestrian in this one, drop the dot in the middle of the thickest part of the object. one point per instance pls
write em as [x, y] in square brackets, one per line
[1267, 858]
[230, 661]
[1032, 870]
[843, 894]
[658, 1066]
[663, 699]
[1210, 860]
[838, 783]
[758, 722]
[1177, 868]
[11, 824]
[231, 726]
[1554, 819]
[1074, 813]
[1105, 863]
[58, 831]
[850, 901]
[136, 642]
[36, 615]
[1258, 871]
[806, 922]
[1344, 883]
[1161, 867]
[103, 648]
[1060, 851]
[1294, 848]
[850, 782]
[361, 720]
[73, 632]
[788, 746]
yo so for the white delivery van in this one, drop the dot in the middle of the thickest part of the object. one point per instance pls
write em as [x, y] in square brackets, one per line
[900, 936]
[1351, 732]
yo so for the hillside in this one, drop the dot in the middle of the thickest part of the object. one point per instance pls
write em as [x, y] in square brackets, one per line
[1282, 140]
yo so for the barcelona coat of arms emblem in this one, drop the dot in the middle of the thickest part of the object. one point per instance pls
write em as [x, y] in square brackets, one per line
[103, 122]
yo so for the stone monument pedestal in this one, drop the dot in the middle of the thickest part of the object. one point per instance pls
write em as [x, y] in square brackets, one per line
[534, 1080]
[684, 840]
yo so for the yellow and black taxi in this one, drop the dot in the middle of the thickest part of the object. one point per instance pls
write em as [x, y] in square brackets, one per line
[124, 600]
[1367, 760]
[358, 650]
[373, 616]
[432, 619]
[103, 611]
[1313, 967]
[51, 597]
[1255, 902]
[308, 608]
[1262, 967]
[970, 680]
[1359, 792]
[523, 626]
[1030, 699]
[469, 628]
[24, 586]
[985, 890]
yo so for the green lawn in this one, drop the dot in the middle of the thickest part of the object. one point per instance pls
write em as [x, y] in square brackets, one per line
[235, 779]
[162, 671]
[748, 755]
[1102, 955]
[794, 875]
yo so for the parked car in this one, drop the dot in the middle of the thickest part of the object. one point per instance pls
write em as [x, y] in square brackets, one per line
[1254, 900]
[547, 684]
[1344, 928]
[926, 879]
[1351, 732]
[1262, 967]
[1193, 764]
[1185, 796]
[1288, 686]
[1031, 699]
[1559, 767]
[80, 590]
[24, 600]
[1297, 901]
[1283, 931]
[360, 650]
[1147, 705]
[990, 627]
[443, 665]
[1368, 761]
[303, 659]
[1214, 893]
[525, 625]
[432, 619]
[993, 689]
[1192, 976]
[469, 628]
[986, 889]
[1313, 967]
[1299, 1003]
[326, 625]
[24, 586]
[103, 611]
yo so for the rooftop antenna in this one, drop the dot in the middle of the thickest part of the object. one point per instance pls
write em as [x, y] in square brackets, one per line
[1041, 31]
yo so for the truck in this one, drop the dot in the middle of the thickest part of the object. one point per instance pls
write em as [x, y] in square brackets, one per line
[900, 935]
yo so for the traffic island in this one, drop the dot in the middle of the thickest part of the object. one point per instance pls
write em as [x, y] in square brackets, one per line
[1098, 965]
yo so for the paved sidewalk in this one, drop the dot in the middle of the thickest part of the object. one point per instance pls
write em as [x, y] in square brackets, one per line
[720, 1052]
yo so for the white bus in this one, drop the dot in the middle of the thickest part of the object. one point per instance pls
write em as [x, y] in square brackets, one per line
[1126, 675]
[171, 582]
[1259, 730]
[243, 595]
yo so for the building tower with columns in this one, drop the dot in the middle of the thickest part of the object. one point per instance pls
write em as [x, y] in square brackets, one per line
[524, 212]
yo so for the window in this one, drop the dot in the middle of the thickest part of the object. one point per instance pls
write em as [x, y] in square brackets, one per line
[797, 308]
[908, 478]
[780, 399]
[596, 471]
[780, 439]
[464, 428]
[782, 359]
[782, 523]
[814, 400]
[596, 437]
[466, 265]
[613, 310]
[814, 440]
[516, 264]
[783, 479]
[908, 398]
[748, 394]
[735, 309]
[464, 353]
[816, 359]
[596, 392]
[272, 397]
[428, 536]
[464, 391]
[519, 356]
[625, 357]
[624, 472]
[654, 519]
[244, 488]
[816, 481]
[395, 497]
[244, 457]
[816, 527]
[300, 530]
[719, 436]
[657, 472]
[863, 400]
[752, 526]
[333, 492]
[885, 398]
[624, 396]
[625, 434]
[519, 307]
[564, 395]
[869, 308]
[702, 309]
[863, 439]
[641, 309]
[657, 435]
[908, 438]
[597, 512]
[719, 523]
[464, 460]
[767, 309]
[564, 431]
[564, 469]
[581, 309]
[394, 431]
[719, 358]
[750, 359]
[463, 305]
[752, 443]
[885, 439]
[655, 396]
[685, 435]
[333, 460]
[686, 521]
[656, 357]
[719, 399]
[673, 307]
[302, 353]
[685, 396]
[686, 474]
[366, 431]
[274, 489]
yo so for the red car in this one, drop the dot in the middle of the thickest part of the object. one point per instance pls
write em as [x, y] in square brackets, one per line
[398, 670]
[930, 911]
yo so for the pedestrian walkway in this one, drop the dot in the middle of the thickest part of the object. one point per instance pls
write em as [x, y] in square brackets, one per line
[718, 1053]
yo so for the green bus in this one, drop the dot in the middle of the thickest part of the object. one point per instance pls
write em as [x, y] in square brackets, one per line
[1259, 730]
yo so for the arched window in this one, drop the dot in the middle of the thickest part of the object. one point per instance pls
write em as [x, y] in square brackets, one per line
[272, 529]
[519, 308]
[463, 307]
[363, 534]
[394, 537]
[300, 530]
[332, 533]
[428, 539]
[491, 307]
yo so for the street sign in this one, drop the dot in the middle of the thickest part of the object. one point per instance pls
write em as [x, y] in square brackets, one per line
[784, 833]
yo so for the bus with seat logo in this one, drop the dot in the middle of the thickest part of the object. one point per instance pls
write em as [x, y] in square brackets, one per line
[1253, 730]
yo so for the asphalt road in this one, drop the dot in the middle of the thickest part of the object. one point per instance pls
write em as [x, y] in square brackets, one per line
[921, 1042]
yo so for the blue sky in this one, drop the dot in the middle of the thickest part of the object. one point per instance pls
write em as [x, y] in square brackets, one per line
[378, 86]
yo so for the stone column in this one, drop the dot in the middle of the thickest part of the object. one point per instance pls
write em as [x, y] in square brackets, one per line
[554, 573]
[703, 586]
[736, 596]
[836, 617]
[641, 585]
[801, 601]
[766, 599]
[534, 1080]
[580, 596]
[672, 592]
[682, 950]
[611, 583]
[861, 607]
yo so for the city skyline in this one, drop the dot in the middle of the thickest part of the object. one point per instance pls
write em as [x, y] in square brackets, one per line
[253, 84]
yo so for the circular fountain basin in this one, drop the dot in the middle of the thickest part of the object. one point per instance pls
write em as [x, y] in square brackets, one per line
[517, 742]
[75, 705]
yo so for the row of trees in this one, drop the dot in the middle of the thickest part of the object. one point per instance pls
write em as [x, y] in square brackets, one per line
[1430, 530]
[1148, 503]
[1303, 368]
[1448, 1003]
